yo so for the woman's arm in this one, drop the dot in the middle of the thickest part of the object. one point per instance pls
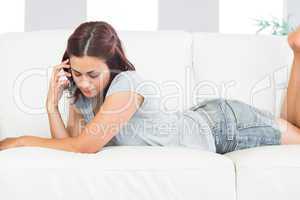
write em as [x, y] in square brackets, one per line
[75, 122]
[57, 126]
[116, 110]
[67, 144]
[55, 91]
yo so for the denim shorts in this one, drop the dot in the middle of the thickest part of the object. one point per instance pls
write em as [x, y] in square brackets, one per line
[236, 125]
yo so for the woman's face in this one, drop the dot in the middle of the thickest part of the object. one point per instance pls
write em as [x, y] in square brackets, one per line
[90, 74]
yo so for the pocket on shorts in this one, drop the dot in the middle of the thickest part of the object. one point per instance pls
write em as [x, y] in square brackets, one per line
[248, 116]
[257, 136]
[255, 127]
[211, 110]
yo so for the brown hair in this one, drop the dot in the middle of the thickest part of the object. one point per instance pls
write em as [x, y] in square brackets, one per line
[97, 39]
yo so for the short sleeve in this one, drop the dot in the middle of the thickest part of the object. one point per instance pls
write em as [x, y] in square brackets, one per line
[132, 81]
[127, 81]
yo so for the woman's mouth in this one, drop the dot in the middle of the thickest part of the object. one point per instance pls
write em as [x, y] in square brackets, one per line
[87, 91]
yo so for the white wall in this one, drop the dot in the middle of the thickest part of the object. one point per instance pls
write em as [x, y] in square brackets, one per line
[293, 9]
[12, 16]
[137, 15]
[189, 15]
[54, 14]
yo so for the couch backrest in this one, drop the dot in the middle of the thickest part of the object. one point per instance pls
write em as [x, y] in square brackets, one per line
[251, 68]
[161, 57]
[27, 59]
[164, 59]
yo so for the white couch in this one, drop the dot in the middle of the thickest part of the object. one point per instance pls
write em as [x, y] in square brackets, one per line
[202, 65]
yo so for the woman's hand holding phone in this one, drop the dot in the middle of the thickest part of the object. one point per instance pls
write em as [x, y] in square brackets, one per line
[58, 83]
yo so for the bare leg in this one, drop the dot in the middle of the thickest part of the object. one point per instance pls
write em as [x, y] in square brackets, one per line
[291, 106]
[290, 113]
[290, 132]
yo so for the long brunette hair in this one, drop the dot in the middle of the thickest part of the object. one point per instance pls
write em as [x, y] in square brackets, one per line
[98, 39]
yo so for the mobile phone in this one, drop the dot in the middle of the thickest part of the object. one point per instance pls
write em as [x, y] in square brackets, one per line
[70, 78]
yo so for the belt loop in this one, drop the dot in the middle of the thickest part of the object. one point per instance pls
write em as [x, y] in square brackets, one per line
[231, 130]
[228, 118]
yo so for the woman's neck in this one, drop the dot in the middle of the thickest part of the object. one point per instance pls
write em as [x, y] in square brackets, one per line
[98, 102]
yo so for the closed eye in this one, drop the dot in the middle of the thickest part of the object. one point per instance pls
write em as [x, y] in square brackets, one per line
[94, 76]
[91, 74]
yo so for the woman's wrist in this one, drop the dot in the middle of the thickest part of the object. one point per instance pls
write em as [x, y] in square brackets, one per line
[21, 141]
[28, 140]
[52, 108]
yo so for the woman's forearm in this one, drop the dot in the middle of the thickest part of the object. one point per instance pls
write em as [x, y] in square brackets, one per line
[66, 144]
[57, 126]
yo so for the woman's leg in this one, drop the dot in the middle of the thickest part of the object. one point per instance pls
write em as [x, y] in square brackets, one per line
[290, 132]
[291, 107]
[290, 113]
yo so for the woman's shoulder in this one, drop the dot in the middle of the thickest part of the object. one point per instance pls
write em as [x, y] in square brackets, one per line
[128, 75]
[125, 81]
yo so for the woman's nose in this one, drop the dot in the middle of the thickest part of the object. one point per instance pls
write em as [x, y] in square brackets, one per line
[85, 82]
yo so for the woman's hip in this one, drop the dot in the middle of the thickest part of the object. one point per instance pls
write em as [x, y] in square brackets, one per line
[237, 125]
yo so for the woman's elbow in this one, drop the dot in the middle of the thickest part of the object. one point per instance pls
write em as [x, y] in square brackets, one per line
[84, 143]
[89, 148]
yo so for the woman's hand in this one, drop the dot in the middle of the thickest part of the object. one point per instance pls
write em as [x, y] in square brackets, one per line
[294, 40]
[10, 142]
[58, 83]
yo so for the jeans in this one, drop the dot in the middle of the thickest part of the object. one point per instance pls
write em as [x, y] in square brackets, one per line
[236, 125]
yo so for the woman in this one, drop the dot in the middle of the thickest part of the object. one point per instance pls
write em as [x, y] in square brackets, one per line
[111, 106]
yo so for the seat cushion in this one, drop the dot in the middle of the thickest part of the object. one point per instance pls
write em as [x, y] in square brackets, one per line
[267, 172]
[135, 172]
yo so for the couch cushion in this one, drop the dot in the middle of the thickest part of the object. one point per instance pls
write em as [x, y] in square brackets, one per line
[28, 59]
[251, 68]
[124, 172]
[163, 59]
[268, 172]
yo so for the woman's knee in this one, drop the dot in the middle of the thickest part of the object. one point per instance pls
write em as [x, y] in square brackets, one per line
[290, 133]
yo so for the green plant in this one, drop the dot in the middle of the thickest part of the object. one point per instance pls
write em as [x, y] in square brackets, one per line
[276, 26]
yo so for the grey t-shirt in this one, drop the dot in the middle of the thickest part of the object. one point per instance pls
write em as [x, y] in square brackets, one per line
[150, 125]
